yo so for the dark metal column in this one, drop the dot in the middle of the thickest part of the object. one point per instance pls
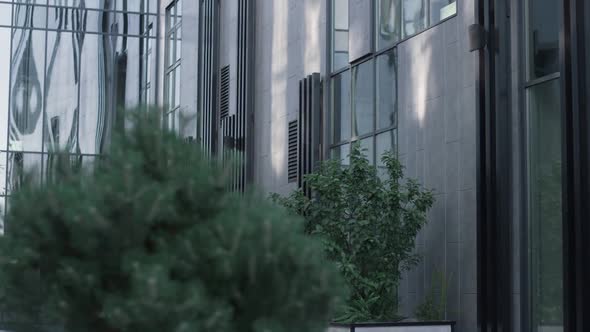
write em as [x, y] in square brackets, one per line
[494, 176]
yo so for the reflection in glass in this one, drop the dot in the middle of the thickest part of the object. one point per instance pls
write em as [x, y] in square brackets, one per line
[27, 85]
[66, 83]
[367, 149]
[21, 167]
[173, 67]
[342, 154]
[2, 213]
[62, 85]
[442, 9]
[340, 34]
[6, 14]
[388, 23]
[543, 37]
[414, 16]
[385, 142]
[5, 34]
[3, 170]
[545, 230]
[363, 99]
[386, 90]
[28, 15]
[341, 116]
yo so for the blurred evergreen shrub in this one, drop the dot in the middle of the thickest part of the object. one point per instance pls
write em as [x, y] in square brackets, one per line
[151, 240]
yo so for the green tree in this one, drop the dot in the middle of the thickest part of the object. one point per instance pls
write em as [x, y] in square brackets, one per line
[150, 240]
[368, 226]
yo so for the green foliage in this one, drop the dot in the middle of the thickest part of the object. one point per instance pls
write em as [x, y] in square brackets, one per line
[368, 227]
[433, 307]
[152, 241]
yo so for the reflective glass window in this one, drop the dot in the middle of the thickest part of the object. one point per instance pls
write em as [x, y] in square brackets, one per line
[388, 22]
[363, 98]
[173, 63]
[386, 90]
[340, 30]
[414, 16]
[545, 206]
[542, 37]
[27, 90]
[442, 9]
[341, 114]
[341, 153]
[367, 146]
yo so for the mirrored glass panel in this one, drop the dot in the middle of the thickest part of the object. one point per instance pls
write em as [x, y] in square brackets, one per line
[340, 31]
[385, 142]
[27, 90]
[342, 154]
[21, 168]
[389, 18]
[386, 90]
[5, 34]
[363, 98]
[63, 79]
[3, 168]
[341, 114]
[360, 37]
[28, 15]
[5, 14]
[442, 9]
[2, 213]
[414, 16]
[542, 37]
[545, 207]
[367, 149]
[96, 99]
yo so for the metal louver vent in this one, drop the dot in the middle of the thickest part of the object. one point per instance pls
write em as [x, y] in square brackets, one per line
[224, 93]
[292, 167]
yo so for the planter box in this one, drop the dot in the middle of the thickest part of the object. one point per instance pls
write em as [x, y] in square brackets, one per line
[444, 326]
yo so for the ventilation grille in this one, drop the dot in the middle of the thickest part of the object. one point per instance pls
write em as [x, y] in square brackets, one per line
[224, 93]
[293, 147]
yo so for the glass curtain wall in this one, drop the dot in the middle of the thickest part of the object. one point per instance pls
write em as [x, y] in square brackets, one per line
[70, 69]
[394, 20]
[544, 135]
[363, 96]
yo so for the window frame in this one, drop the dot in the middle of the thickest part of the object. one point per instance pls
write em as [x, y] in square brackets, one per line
[529, 298]
[373, 56]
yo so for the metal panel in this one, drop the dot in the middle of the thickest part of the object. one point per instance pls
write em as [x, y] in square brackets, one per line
[208, 64]
[236, 132]
[310, 125]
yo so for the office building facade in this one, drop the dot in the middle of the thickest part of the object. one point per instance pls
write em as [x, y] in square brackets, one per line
[484, 101]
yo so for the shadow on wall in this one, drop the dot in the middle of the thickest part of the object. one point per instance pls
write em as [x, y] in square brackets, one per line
[296, 51]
